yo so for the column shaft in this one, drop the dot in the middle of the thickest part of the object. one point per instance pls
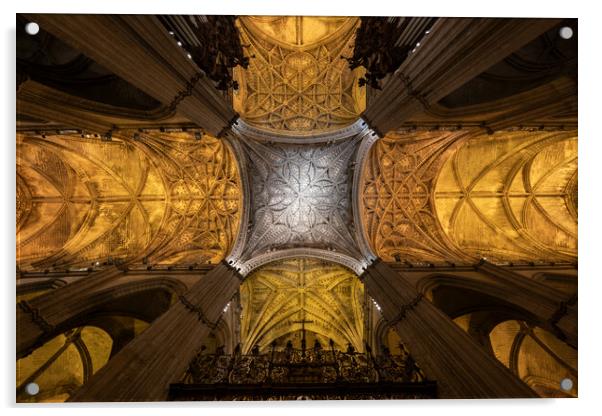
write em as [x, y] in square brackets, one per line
[455, 51]
[37, 100]
[446, 353]
[144, 369]
[138, 49]
[47, 103]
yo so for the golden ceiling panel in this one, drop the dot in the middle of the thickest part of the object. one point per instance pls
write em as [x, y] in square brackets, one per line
[434, 196]
[511, 196]
[281, 299]
[166, 197]
[306, 31]
[85, 199]
[204, 198]
[395, 194]
[296, 80]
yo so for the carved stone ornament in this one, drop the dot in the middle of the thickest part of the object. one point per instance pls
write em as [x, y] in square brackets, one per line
[299, 198]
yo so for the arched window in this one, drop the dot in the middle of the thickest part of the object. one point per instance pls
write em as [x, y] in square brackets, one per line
[63, 364]
[539, 358]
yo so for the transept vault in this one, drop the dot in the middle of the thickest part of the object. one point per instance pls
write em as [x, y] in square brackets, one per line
[161, 220]
[296, 80]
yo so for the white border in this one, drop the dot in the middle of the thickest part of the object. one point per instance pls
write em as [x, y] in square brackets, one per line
[590, 288]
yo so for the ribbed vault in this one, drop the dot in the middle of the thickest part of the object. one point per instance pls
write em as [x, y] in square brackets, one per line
[296, 80]
[396, 196]
[281, 298]
[536, 356]
[447, 196]
[299, 198]
[164, 198]
[512, 196]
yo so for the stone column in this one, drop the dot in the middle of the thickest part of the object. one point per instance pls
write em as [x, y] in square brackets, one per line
[43, 317]
[447, 354]
[553, 103]
[40, 101]
[46, 103]
[455, 51]
[144, 369]
[548, 304]
[139, 49]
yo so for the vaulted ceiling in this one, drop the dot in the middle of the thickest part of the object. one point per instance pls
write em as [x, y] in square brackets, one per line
[281, 299]
[176, 196]
[164, 198]
[134, 178]
[296, 80]
[299, 200]
[511, 196]
[300, 177]
[435, 197]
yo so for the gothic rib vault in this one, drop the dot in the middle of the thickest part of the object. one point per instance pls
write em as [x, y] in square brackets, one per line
[162, 199]
[300, 196]
[292, 298]
[296, 80]
[437, 197]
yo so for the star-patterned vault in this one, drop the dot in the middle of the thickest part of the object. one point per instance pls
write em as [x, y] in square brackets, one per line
[300, 198]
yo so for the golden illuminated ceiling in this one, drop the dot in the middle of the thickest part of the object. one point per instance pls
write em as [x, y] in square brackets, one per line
[281, 298]
[297, 80]
[396, 204]
[510, 196]
[158, 198]
[166, 197]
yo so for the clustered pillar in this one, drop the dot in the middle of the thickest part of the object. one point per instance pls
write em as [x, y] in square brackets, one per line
[446, 353]
[455, 51]
[139, 49]
[144, 368]
[45, 316]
